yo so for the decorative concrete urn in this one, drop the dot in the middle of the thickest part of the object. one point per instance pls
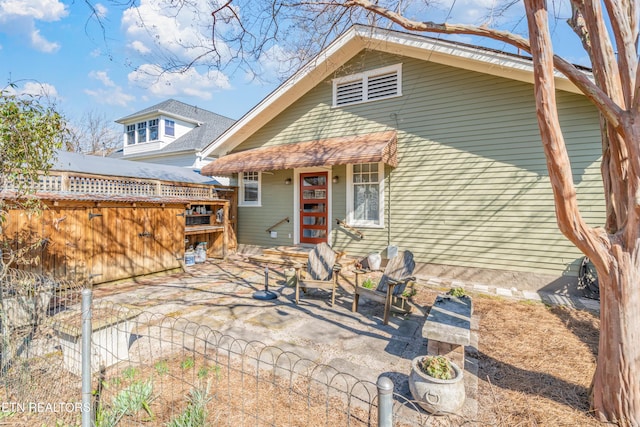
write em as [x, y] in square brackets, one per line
[434, 395]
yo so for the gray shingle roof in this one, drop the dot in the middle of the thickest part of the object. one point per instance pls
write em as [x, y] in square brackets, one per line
[83, 163]
[211, 125]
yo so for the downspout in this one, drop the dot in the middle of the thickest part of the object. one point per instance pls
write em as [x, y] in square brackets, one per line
[389, 208]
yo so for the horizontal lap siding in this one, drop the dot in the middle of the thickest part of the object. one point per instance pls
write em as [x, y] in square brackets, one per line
[472, 187]
[277, 204]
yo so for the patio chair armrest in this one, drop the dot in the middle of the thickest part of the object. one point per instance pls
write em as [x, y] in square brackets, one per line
[394, 281]
[337, 267]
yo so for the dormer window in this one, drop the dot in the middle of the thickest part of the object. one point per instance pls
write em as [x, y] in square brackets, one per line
[142, 132]
[169, 127]
[131, 134]
[153, 130]
[381, 83]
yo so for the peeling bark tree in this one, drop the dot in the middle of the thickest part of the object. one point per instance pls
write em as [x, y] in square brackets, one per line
[608, 30]
[244, 30]
[614, 248]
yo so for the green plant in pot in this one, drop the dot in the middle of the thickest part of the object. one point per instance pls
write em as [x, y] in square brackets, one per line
[457, 292]
[437, 385]
[437, 367]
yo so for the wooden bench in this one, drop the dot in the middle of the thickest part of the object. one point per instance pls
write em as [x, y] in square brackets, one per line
[448, 327]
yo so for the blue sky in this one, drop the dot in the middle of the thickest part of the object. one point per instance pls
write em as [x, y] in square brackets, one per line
[57, 46]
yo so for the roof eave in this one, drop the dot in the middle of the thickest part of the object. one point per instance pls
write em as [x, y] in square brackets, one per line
[154, 113]
[348, 45]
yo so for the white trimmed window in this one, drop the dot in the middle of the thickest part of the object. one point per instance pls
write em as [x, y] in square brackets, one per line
[142, 132]
[169, 127]
[381, 83]
[250, 189]
[365, 194]
[131, 134]
[153, 130]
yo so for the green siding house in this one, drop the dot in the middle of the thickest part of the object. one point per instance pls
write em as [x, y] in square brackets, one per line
[393, 140]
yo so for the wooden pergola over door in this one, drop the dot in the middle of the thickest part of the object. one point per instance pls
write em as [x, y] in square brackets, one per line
[313, 207]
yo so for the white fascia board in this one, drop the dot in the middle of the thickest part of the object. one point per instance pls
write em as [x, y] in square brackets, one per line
[345, 47]
[486, 61]
[157, 113]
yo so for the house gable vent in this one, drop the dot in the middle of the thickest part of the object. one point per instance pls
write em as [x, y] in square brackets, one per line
[372, 85]
[382, 86]
[348, 93]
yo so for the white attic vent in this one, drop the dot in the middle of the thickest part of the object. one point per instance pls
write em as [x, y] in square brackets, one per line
[372, 85]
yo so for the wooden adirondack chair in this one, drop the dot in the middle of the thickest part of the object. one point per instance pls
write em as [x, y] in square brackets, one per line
[321, 273]
[397, 274]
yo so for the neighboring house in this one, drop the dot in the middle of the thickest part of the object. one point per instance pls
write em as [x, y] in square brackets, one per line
[170, 133]
[389, 139]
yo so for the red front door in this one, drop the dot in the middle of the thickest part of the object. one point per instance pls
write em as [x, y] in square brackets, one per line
[313, 207]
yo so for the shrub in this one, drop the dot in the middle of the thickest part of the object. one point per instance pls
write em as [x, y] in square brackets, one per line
[437, 367]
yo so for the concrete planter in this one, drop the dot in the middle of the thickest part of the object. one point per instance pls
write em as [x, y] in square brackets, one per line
[434, 395]
[26, 310]
[111, 330]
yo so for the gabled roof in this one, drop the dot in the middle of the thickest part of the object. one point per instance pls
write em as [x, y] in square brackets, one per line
[83, 163]
[353, 41]
[209, 126]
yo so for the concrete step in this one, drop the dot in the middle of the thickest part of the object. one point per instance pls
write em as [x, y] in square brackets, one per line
[277, 260]
[288, 252]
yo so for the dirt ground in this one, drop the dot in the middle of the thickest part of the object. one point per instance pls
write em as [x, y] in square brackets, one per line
[536, 362]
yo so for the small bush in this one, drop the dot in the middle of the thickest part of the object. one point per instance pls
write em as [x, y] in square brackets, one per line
[457, 292]
[368, 284]
[437, 367]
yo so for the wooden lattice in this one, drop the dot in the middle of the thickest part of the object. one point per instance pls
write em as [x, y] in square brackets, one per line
[65, 182]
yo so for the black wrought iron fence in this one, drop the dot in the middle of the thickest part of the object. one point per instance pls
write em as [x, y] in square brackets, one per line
[150, 369]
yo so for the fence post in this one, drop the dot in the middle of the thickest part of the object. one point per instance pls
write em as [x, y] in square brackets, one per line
[87, 407]
[385, 402]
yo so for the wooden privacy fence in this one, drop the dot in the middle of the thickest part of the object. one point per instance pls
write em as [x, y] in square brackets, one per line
[108, 229]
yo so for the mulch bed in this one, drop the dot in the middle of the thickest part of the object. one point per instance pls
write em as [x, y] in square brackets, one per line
[536, 362]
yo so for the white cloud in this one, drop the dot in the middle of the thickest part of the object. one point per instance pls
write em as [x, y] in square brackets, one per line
[116, 97]
[40, 10]
[33, 89]
[42, 44]
[110, 94]
[276, 62]
[19, 18]
[191, 82]
[162, 32]
[101, 10]
[139, 47]
[102, 77]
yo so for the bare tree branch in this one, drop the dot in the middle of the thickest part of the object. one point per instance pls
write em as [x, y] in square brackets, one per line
[607, 107]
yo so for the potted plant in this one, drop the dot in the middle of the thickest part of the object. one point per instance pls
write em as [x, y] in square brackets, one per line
[437, 384]
[458, 293]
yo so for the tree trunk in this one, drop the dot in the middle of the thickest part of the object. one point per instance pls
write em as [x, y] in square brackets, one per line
[615, 393]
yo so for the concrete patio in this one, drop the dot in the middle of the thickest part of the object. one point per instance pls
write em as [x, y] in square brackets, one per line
[219, 294]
